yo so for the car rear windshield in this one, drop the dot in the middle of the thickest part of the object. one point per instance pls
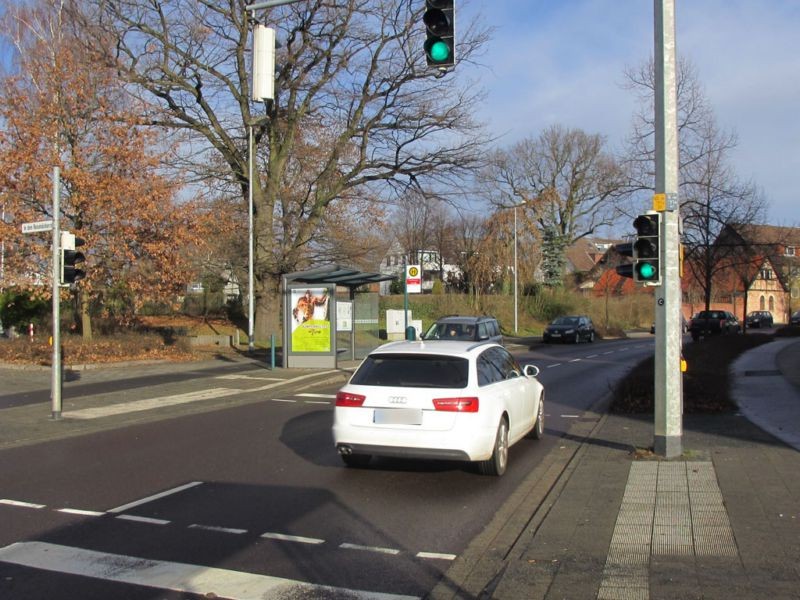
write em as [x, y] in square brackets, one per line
[413, 370]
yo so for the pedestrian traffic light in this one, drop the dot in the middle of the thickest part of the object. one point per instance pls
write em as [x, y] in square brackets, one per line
[71, 257]
[646, 249]
[439, 19]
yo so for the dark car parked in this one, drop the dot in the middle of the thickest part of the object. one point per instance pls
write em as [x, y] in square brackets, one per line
[456, 327]
[759, 318]
[575, 328]
[795, 320]
[713, 322]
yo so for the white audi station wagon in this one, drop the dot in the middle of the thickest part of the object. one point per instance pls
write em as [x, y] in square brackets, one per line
[448, 400]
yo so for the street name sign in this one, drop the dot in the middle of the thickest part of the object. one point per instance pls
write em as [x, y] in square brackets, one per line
[37, 226]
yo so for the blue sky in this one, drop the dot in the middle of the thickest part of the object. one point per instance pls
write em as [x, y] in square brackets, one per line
[562, 62]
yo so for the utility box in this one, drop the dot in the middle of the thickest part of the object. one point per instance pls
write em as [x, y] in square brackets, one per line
[396, 325]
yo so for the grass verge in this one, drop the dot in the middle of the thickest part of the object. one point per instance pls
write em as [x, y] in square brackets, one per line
[706, 384]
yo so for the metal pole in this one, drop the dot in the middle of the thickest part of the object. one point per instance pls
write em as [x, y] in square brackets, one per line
[515, 270]
[250, 247]
[55, 381]
[668, 392]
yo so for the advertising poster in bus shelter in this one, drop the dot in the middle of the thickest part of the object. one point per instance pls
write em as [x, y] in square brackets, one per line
[311, 322]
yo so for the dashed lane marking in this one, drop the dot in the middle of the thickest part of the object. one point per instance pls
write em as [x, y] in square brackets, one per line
[230, 530]
[310, 395]
[554, 365]
[292, 538]
[148, 520]
[436, 555]
[82, 513]
[21, 504]
[348, 546]
[217, 529]
[179, 577]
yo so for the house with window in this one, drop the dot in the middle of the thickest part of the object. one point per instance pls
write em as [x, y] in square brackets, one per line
[763, 268]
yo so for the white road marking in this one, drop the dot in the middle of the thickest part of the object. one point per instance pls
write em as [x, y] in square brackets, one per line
[151, 403]
[158, 496]
[316, 402]
[176, 399]
[21, 504]
[178, 577]
[148, 520]
[291, 538]
[283, 400]
[218, 529]
[609, 352]
[250, 377]
[576, 360]
[593, 356]
[293, 379]
[309, 395]
[84, 513]
[570, 416]
[554, 365]
[369, 548]
[436, 555]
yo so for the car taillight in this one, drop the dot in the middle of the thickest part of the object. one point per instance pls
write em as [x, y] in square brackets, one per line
[347, 399]
[456, 404]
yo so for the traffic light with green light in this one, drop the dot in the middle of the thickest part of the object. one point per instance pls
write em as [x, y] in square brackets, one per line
[439, 19]
[646, 249]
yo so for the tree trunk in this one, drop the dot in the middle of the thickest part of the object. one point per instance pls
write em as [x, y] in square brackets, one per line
[268, 312]
[86, 319]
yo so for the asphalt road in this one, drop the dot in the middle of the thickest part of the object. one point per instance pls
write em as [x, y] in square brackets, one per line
[254, 491]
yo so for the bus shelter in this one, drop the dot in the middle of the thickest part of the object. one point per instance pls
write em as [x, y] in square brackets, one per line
[322, 312]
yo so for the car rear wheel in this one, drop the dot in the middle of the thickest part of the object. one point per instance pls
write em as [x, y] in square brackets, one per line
[496, 465]
[356, 460]
[591, 337]
[577, 339]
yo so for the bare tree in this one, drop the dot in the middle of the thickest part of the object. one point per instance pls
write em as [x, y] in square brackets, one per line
[356, 111]
[711, 194]
[565, 181]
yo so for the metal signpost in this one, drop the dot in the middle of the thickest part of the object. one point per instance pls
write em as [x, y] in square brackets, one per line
[668, 390]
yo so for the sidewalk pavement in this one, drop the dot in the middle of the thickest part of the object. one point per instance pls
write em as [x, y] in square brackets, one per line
[603, 518]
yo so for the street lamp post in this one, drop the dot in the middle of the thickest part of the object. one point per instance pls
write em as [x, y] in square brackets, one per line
[515, 272]
[250, 245]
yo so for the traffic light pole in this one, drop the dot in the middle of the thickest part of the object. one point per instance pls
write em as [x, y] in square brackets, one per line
[55, 372]
[668, 384]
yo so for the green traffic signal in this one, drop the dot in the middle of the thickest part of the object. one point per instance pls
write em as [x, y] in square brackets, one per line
[646, 251]
[438, 51]
[439, 20]
[647, 272]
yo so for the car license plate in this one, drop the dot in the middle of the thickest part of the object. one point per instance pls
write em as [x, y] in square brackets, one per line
[556, 334]
[397, 416]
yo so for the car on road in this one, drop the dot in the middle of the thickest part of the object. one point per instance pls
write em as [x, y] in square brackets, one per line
[713, 322]
[458, 327]
[759, 318]
[795, 319]
[451, 400]
[573, 328]
[684, 325]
